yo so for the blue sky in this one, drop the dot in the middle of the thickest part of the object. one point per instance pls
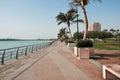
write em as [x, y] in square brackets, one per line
[33, 19]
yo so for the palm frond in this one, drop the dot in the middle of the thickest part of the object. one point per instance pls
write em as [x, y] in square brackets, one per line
[74, 17]
[61, 17]
[79, 20]
[75, 3]
[71, 11]
[60, 23]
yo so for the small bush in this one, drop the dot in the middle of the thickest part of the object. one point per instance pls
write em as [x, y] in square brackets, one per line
[71, 41]
[86, 43]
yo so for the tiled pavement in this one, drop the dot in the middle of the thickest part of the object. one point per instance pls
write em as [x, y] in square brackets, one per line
[53, 63]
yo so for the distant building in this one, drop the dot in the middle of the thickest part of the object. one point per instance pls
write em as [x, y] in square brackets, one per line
[95, 27]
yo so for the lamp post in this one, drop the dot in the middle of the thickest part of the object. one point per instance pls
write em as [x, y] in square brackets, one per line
[77, 25]
[77, 20]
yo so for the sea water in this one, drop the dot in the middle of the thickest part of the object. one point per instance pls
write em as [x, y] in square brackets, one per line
[12, 44]
[11, 53]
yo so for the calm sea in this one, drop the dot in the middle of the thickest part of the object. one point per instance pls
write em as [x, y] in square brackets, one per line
[11, 44]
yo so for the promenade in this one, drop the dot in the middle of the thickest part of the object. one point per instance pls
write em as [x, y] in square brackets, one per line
[55, 62]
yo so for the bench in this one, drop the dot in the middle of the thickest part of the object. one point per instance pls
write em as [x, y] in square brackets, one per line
[111, 72]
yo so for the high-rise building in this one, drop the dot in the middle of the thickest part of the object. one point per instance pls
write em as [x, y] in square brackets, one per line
[95, 26]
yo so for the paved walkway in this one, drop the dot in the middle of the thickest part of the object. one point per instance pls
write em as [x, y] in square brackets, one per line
[53, 63]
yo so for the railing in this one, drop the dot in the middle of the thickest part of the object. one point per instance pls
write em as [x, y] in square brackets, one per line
[16, 52]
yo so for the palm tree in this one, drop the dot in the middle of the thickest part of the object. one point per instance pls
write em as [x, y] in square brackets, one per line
[105, 30]
[112, 31]
[117, 31]
[67, 18]
[82, 4]
[61, 33]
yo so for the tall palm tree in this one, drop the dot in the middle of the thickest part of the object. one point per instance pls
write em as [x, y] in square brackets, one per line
[67, 18]
[82, 4]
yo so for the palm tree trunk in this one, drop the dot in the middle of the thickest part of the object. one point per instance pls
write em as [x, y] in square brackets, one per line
[70, 32]
[85, 21]
[68, 23]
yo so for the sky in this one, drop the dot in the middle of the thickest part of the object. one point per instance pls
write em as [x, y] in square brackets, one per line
[34, 19]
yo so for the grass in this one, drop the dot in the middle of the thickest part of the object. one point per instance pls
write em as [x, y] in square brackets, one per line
[108, 45]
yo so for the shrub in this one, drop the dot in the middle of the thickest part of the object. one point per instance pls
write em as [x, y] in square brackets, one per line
[77, 36]
[86, 43]
[71, 41]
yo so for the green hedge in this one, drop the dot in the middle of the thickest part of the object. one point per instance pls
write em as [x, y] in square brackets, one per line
[84, 43]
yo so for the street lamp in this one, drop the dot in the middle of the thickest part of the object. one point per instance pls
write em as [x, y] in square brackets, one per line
[77, 20]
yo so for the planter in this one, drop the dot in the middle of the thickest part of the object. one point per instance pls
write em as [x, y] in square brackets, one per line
[75, 51]
[71, 44]
[83, 53]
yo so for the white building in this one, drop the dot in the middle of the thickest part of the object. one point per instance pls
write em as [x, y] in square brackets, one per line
[95, 26]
